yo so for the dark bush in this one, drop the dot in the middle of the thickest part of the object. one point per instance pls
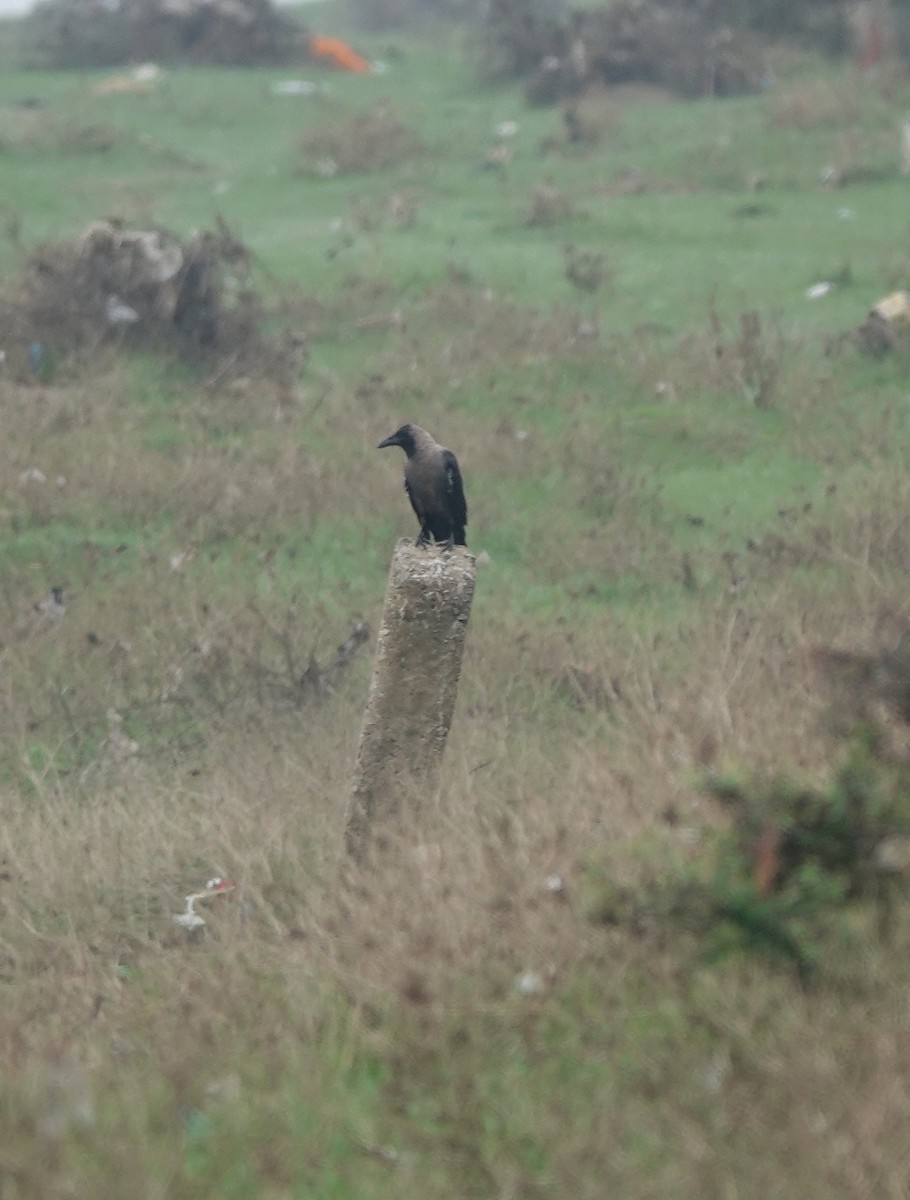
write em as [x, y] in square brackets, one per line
[393, 14]
[93, 33]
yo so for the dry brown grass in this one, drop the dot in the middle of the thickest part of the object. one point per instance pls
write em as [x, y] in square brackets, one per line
[447, 999]
[371, 140]
[813, 103]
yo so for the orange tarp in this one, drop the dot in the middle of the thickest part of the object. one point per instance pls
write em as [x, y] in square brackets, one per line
[338, 53]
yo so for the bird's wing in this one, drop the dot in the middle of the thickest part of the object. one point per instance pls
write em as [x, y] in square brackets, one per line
[412, 496]
[454, 488]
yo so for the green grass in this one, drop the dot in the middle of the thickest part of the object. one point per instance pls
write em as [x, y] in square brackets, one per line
[676, 512]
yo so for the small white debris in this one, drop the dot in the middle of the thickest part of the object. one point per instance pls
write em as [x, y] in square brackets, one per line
[846, 214]
[555, 885]
[716, 1072]
[189, 920]
[378, 67]
[507, 129]
[146, 73]
[32, 475]
[336, 225]
[483, 559]
[180, 558]
[221, 188]
[529, 983]
[326, 167]
[53, 604]
[521, 435]
[118, 313]
[294, 87]
[2, 356]
[817, 290]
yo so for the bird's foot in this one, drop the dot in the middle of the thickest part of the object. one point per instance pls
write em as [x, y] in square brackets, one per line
[422, 540]
[449, 543]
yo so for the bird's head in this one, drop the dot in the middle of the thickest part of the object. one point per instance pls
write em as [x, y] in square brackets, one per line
[405, 437]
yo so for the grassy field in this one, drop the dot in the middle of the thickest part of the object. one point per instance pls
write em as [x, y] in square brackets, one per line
[687, 484]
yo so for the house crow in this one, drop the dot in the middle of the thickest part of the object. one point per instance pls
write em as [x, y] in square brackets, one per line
[433, 483]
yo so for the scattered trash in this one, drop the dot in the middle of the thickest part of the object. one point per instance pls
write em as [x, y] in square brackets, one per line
[716, 1072]
[35, 357]
[119, 85]
[886, 326]
[529, 983]
[894, 310]
[141, 80]
[189, 919]
[147, 73]
[337, 53]
[555, 885]
[118, 746]
[32, 475]
[179, 559]
[507, 129]
[53, 605]
[817, 290]
[118, 313]
[41, 617]
[295, 87]
[386, 1154]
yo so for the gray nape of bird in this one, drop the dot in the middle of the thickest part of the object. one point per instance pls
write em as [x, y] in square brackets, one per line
[433, 483]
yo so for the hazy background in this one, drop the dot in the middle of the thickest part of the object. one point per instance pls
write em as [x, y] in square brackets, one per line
[11, 8]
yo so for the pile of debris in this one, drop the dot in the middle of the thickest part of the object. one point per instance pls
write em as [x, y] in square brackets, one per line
[140, 287]
[102, 33]
[669, 44]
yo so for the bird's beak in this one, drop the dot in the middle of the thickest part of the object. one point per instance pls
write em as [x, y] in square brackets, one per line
[389, 441]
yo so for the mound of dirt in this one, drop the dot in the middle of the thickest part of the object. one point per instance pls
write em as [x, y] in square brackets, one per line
[145, 288]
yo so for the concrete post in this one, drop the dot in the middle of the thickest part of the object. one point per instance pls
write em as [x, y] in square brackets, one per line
[415, 682]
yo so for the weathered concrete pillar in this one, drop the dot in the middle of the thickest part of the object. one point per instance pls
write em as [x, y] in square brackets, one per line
[415, 682]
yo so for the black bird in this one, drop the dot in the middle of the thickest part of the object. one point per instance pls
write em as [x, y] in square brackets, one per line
[433, 483]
